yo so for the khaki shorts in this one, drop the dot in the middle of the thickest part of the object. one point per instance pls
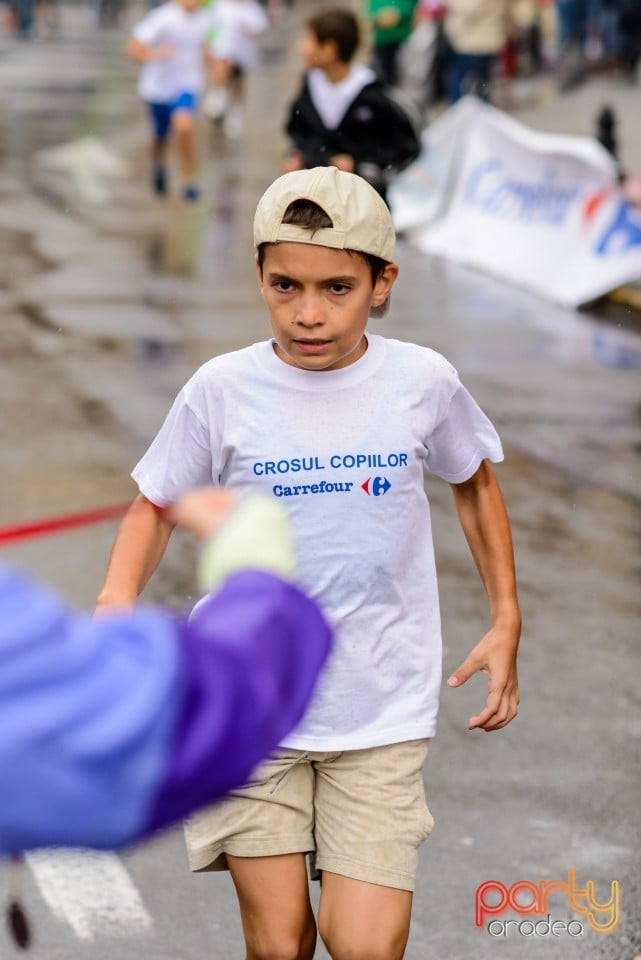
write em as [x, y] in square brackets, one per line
[361, 813]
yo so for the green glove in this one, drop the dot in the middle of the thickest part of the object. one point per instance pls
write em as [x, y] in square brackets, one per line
[255, 536]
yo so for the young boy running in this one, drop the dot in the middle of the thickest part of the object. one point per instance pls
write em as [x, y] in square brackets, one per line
[338, 424]
[342, 115]
[170, 42]
[236, 24]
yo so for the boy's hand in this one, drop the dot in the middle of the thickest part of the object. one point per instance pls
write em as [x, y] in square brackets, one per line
[294, 161]
[164, 51]
[106, 607]
[202, 511]
[343, 161]
[388, 17]
[632, 189]
[495, 655]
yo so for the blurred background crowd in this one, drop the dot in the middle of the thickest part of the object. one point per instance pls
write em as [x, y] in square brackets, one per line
[423, 54]
[461, 43]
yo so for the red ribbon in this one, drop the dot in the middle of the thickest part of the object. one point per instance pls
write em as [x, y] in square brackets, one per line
[48, 525]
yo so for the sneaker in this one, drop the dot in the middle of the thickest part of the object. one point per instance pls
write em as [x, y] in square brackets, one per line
[159, 180]
[191, 193]
[234, 123]
[215, 103]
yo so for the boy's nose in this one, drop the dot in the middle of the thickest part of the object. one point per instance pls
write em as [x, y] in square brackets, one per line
[310, 313]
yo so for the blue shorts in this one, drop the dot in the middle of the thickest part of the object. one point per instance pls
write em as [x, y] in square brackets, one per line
[161, 112]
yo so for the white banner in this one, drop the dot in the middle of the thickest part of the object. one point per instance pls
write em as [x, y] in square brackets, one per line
[540, 210]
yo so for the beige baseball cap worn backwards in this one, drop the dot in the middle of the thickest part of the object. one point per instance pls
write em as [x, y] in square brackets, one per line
[360, 217]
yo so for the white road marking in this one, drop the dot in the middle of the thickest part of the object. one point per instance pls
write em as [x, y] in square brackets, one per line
[91, 891]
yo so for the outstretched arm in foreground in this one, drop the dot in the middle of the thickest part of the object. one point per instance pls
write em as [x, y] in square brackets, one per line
[112, 728]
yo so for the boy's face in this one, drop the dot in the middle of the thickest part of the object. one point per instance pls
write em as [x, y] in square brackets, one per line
[319, 301]
[317, 55]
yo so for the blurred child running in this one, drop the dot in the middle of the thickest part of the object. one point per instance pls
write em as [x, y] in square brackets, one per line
[236, 24]
[171, 43]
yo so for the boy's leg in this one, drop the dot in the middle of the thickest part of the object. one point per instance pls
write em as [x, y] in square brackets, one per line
[363, 921]
[221, 71]
[234, 121]
[261, 832]
[183, 126]
[386, 62]
[483, 67]
[370, 819]
[160, 114]
[457, 72]
[159, 150]
[276, 914]
[217, 97]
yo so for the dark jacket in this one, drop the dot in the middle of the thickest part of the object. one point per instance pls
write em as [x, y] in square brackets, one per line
[375, 131]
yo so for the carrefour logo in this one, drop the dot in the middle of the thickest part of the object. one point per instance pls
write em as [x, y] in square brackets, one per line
[373, 487]
[376, 486]
[623, 228]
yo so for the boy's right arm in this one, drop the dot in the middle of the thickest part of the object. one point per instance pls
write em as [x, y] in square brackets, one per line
[146, 53]
[138, 548]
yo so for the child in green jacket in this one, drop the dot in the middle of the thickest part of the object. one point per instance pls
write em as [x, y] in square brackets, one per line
[392, 22]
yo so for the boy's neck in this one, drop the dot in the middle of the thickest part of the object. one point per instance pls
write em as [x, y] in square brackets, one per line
[335, 72]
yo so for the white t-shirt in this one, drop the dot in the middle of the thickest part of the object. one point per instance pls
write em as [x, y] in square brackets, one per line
[332, 100]
[235, 25]
[164, 80]
[345, 452]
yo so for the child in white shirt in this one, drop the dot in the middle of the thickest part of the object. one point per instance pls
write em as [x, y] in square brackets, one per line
[339, 426]
[170, 42]
[236, 24]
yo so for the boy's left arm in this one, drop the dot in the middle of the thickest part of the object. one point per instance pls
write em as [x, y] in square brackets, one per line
[484, 520]
[207, 60]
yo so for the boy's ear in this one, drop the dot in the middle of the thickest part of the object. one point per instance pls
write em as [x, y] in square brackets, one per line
[259, 272]
[384, 283]
[332, 46]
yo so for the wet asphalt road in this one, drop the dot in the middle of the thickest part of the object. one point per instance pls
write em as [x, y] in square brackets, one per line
[107, 307]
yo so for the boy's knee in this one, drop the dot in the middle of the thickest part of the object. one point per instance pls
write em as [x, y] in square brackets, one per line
[283, 950]
[183, 121]
[283, 946]
[344, 948]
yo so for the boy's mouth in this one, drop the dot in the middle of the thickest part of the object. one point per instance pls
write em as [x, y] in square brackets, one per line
[312, 346]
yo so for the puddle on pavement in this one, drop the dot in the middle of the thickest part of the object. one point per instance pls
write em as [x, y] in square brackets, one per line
[42, 125]
[586, 533]
[204, 241]
[523, 326]
[18, 258]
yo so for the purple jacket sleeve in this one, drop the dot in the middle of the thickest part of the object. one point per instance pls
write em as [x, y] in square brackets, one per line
[251, 655]
[112, 728]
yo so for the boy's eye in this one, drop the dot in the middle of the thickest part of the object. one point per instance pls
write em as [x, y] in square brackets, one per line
[339, 288]
[284, 286]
